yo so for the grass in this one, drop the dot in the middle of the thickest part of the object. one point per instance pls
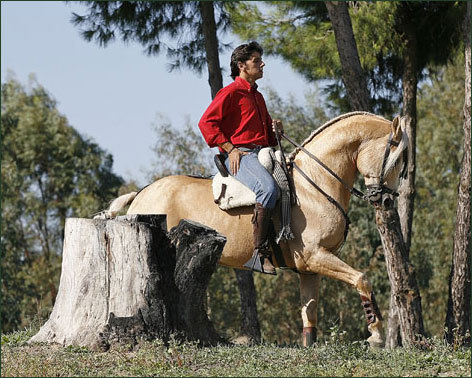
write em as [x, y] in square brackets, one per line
[332, 358]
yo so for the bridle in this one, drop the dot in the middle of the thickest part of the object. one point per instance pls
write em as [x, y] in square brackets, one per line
[376, 194]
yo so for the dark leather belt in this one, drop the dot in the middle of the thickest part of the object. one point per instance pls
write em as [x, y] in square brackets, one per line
[250, 146]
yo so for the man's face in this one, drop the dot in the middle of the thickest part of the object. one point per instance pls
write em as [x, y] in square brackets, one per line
[253, 67]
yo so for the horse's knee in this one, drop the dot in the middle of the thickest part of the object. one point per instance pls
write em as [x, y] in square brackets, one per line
[363, 286]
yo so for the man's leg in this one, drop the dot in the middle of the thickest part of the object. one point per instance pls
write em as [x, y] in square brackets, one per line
[252, 174]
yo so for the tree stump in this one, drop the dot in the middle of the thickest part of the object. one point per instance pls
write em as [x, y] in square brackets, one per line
[126, 279]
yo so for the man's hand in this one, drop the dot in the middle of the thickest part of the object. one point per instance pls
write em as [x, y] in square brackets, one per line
[277, 127]
[234, 159]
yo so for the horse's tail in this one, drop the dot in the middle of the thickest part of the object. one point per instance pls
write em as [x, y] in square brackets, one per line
[116, 206]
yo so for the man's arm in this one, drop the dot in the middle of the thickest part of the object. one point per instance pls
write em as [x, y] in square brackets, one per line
[210, 123]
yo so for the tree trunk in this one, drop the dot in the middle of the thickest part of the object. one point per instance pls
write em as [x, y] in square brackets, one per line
[458, 308]
[409, 84]
[211, 46]
[404, 289]
[407, 187]
[124, 280]
[392, 240]
[393, 337]
[250, 327]
[353, 75]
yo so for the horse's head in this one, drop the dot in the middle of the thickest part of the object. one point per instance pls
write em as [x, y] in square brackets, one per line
[382, 162]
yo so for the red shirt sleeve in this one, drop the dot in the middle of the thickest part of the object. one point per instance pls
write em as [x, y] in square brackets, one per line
[210, 123]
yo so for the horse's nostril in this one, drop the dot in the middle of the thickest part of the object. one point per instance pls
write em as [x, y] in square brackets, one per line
[387, 202]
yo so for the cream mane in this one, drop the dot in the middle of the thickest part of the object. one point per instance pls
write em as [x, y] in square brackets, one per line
[393, 157]
[402, 146]
[315, 132]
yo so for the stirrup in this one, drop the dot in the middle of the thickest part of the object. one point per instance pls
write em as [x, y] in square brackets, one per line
[256, 263]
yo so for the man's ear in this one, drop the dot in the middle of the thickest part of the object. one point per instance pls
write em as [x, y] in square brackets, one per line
[241, 66]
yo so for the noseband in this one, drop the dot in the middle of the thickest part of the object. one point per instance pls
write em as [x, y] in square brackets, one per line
[375, 192]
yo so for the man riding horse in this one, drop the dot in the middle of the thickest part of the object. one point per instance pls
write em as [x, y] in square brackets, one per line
[237, 121]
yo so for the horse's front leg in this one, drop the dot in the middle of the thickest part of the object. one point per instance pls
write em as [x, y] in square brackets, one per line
[327, 264]
[309, 291]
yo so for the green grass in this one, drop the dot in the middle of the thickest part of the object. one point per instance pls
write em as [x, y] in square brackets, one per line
[155, 359]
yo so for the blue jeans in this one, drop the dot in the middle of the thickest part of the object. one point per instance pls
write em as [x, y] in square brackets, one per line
[253, 175]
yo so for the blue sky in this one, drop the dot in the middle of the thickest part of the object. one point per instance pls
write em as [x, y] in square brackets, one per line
[112, 94]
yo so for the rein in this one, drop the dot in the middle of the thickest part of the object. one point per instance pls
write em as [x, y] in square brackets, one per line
[352, 190]
[374, 192]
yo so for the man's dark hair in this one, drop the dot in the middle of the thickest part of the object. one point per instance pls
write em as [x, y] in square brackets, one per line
[241, 54]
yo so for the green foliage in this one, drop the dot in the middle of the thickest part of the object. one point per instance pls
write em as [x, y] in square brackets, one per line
[301, 33]
[299, 120]
[330, 359]
[49, 172]
[224, 305]
[439, 143]
[172, 27]
[179, 152]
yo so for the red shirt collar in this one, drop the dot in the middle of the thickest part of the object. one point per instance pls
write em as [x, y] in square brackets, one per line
[240, 81]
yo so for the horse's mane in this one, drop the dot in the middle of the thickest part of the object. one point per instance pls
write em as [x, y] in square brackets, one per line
[291, 156]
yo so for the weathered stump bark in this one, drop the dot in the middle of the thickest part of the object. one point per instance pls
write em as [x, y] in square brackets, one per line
[126, 279]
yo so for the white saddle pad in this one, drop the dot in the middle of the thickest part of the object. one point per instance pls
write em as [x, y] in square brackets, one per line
[238, 194]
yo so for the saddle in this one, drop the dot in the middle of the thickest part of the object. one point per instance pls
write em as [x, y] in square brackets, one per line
[229, 193]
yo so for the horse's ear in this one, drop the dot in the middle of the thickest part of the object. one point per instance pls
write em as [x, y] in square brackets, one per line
[396, 128]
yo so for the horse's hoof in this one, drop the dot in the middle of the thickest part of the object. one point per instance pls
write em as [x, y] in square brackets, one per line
[243, 340]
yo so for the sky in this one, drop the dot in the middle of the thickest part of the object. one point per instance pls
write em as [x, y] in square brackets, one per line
[113, 95]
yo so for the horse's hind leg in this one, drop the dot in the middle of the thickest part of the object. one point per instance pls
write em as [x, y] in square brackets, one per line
[309, 290]
[327, 264]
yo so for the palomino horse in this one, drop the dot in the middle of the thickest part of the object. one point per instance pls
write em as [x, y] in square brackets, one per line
[353, 142]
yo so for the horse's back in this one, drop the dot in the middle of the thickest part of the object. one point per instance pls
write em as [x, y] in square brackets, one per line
[177, 196]
[185, 197]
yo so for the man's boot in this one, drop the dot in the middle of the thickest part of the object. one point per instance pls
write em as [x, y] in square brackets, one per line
[260, 260]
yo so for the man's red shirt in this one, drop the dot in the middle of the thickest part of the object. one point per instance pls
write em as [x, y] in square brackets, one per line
[238, 114]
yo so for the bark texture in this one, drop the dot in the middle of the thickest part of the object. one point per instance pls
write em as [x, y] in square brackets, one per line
[124, 280]
[404, 289]
[353, 75]
[211, 46]
[250, 327]
[458, 309]
[409, 84]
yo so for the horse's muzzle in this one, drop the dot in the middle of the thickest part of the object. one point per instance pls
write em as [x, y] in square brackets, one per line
[381, 196]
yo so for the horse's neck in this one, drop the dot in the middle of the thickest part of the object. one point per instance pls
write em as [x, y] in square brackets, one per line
[337, 148]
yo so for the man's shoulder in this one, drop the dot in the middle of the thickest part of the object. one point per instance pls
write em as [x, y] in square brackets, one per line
[231, 89]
